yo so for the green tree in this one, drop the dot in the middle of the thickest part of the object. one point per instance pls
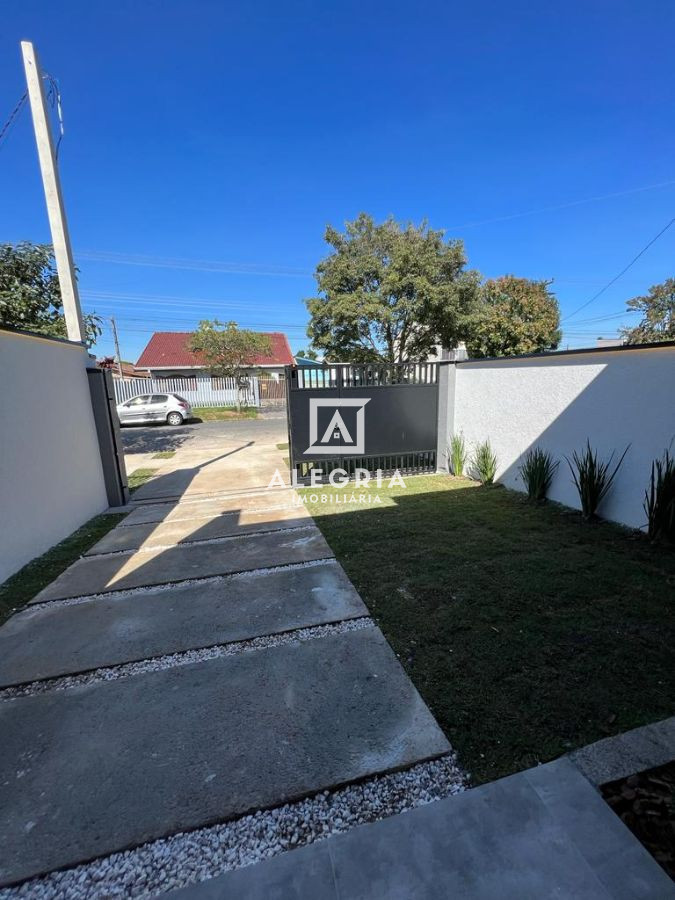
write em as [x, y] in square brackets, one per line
[30, 294]
[516, 315]
[229, 351]
[658, 315]
[390, 292]
[307, 354]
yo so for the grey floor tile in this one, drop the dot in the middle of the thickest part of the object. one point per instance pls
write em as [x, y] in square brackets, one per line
[304, 874]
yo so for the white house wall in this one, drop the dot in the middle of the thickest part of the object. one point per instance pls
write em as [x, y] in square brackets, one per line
[557, 402]
[51, 480]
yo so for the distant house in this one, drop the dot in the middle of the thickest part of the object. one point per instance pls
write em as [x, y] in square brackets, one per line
[129, 370]
[168, 355]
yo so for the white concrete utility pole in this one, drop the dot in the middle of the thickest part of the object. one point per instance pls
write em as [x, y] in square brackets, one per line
[52, 187]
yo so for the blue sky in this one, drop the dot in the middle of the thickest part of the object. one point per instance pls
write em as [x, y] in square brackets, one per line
[216, 140]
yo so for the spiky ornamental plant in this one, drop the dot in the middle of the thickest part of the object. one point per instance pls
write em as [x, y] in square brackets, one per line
[485, 463]
[592, 477]
[457, 454]
[537, 471]
[659, 502]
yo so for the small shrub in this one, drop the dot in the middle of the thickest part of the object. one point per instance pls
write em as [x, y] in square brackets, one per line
[592, 477]
[485, 463]
[457, 454]
[538, 470]
[660, 499]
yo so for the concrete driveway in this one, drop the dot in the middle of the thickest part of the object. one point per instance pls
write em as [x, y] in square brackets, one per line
[229, 455]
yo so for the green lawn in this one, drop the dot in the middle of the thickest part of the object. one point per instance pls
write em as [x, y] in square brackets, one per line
[163, 454]
[139, 477]
[37, 574]
[527, 631]
[220, 413]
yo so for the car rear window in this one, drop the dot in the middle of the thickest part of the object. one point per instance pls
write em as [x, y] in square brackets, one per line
[178, 397]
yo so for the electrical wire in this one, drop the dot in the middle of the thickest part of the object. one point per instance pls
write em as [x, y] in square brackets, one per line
[140, 300]
[198, 265]
[622, 272]
[4, 131]
[621, 315]
[54, 99]
[533, 212]
[125, 330]
[190, 324]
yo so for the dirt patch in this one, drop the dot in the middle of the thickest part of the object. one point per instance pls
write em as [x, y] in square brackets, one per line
[645, 803]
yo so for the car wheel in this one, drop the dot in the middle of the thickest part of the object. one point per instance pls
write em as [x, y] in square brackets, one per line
[174, 418]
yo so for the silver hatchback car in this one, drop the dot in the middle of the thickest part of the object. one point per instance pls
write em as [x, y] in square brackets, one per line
[170, 408]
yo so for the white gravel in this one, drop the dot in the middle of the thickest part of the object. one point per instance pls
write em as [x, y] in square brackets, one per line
[184, 658]
[185, 858]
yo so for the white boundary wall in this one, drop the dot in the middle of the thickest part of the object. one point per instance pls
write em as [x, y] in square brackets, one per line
[51, 479]
[614, 398]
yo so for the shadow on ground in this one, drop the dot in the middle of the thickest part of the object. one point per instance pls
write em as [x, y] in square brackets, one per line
[143, 440]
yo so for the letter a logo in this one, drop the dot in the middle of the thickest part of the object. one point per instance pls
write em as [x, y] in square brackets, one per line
[336, 430]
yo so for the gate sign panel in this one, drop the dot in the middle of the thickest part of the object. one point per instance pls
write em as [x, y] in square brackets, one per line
[337, 439]
[343, 413]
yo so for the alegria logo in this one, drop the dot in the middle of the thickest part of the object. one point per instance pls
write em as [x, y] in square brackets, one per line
[337, 426]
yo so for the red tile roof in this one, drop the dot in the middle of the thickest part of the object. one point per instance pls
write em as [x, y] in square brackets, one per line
[169, 349]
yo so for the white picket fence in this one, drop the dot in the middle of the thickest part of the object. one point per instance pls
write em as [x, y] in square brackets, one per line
[202, 391]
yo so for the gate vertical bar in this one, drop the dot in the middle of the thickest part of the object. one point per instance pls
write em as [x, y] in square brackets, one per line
[288, 374]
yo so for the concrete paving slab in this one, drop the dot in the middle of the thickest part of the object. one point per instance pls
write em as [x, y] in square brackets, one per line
[52, 640]
[97, 768]
[101, 574]
[508, 840]
[169, 512]
[135, 537]
[628, 753]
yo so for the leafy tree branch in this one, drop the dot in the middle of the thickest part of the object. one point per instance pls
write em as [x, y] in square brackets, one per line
[658, 315]
[30, 294]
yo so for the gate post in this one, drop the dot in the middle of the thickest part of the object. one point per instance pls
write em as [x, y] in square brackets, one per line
[103, 403]
[446, 392]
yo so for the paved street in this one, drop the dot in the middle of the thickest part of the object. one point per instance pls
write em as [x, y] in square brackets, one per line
[270, 427]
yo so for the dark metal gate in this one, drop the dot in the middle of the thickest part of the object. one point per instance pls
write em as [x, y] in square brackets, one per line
[372, 417]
